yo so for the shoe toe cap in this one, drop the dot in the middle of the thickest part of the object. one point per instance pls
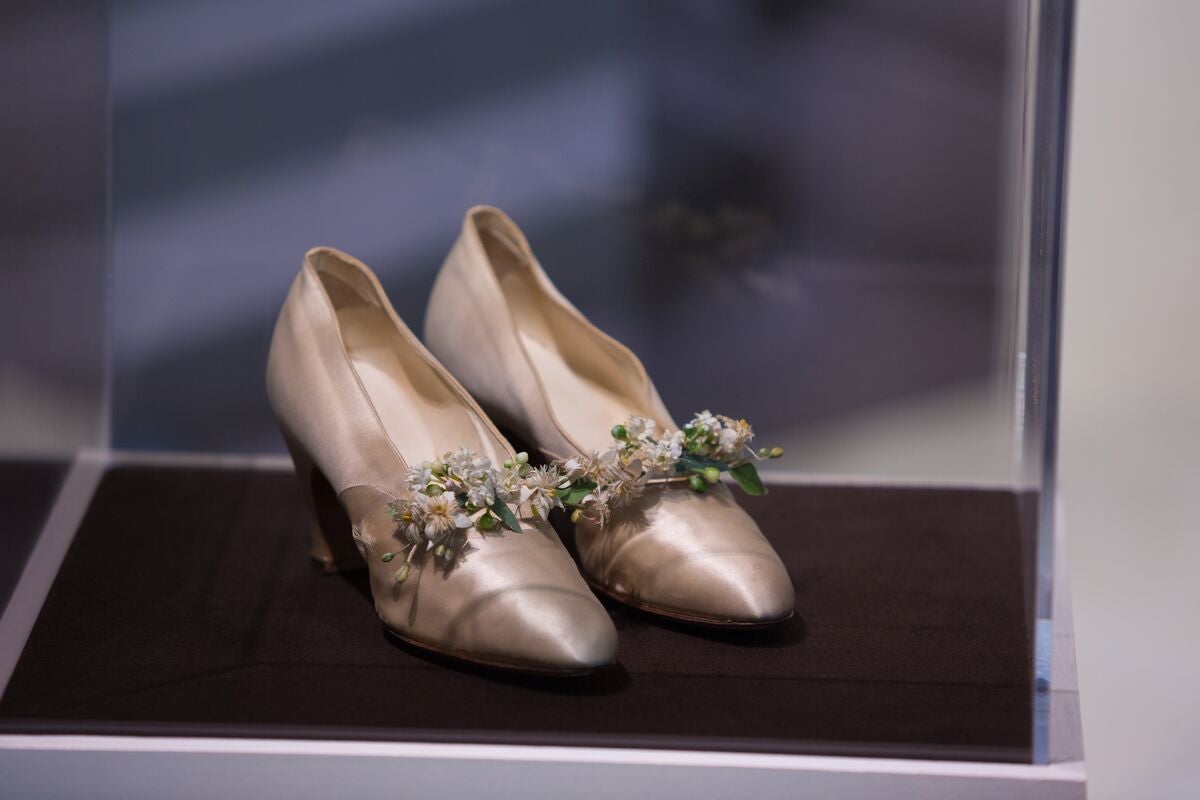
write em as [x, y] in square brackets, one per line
[543, 628]
[695, 557]
[733, 587]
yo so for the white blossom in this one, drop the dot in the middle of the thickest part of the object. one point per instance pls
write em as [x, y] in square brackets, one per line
[541, 489]
[640, 427]
[704, 421]
[440, 515]
[663, 454]
[419, 476]
[481, 492]
[410, 519]
[506, 482]
[460, 461]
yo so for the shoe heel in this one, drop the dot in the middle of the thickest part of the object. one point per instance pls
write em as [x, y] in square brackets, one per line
[330, 532]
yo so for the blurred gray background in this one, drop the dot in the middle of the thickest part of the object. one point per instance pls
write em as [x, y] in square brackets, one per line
[53, 227]
[793, 211]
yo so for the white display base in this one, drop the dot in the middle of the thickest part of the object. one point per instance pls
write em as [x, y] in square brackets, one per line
[122, 767]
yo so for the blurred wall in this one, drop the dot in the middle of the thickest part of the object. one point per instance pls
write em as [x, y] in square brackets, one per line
[791, 210]
[53, 164]
[1130, 420]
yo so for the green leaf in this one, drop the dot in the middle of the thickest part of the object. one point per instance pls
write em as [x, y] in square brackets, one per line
[747, 477]
[578, 490]
[506, 515]
[696, 464]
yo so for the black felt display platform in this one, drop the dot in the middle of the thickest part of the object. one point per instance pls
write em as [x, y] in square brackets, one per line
[187, 605]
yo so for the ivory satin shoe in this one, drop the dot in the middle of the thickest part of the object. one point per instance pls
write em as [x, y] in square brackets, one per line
[688, 552]
[428, 487]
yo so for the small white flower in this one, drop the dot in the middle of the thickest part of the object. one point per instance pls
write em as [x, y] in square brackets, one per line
[420, 475]
[734, 437]
[595, 507]
[410, 519]
[640, 427]
[666, 451]
[541, 489]
[629, 488]
[440, 514]
[727, 441]
[459, 461]
[506, 483]
[481, 492]
[596, 464]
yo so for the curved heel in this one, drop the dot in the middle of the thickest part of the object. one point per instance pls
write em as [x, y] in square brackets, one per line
[331, 534]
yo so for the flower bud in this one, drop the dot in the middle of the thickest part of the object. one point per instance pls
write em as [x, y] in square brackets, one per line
[698, 484]
[619, 432]
[402, 573]
[776, 452]
[439, 550]
[712, 474]
[388, 557]
[577, 515]
[522, 458]
[764, 452]
[439, 468]
[449, 553]
[509, 464]
[486, 523]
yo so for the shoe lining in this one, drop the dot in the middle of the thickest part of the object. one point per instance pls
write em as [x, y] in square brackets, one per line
[589, 388]
[419, 411]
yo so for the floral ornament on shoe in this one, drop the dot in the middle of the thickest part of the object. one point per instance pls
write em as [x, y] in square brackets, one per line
[463, 490]
[695, 456]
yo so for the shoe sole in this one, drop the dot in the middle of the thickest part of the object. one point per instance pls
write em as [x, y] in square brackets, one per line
[680, 616]
[521, 669]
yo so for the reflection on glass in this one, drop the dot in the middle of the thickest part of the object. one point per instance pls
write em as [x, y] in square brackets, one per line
[838, 220]
[804, 226]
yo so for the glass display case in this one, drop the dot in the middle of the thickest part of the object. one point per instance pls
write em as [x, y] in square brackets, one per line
[839, 221]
